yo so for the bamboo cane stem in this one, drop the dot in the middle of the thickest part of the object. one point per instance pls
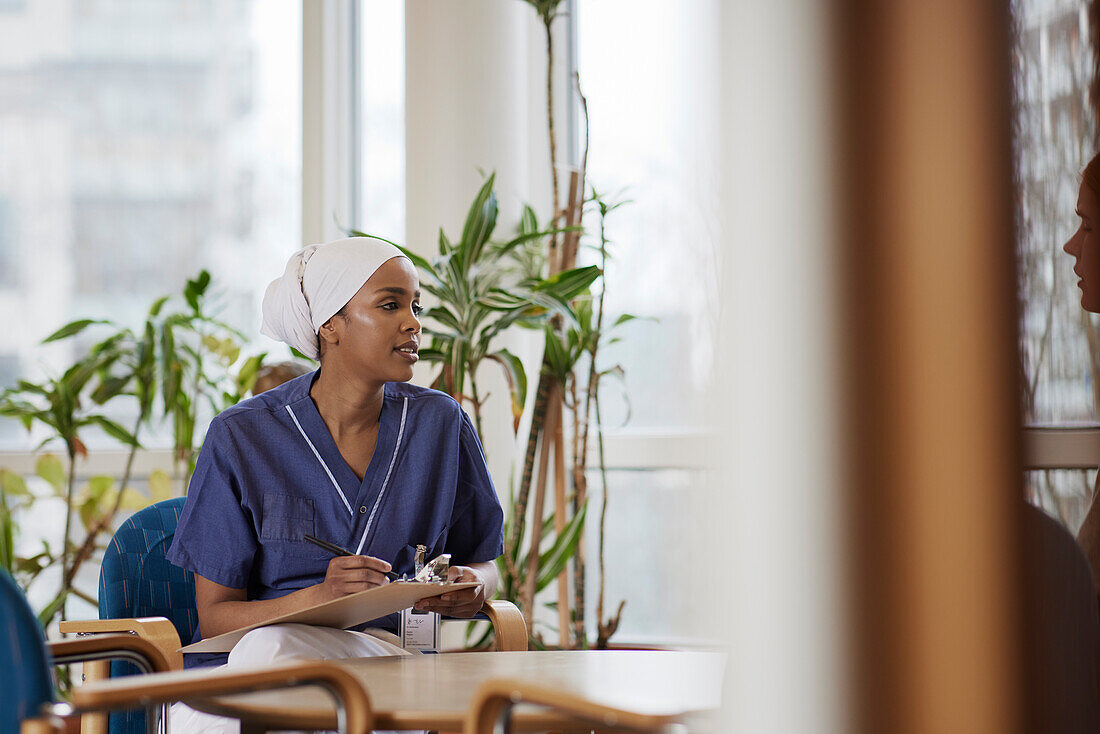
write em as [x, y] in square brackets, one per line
[553, 252]
[538, 422]
[527, 600]
[560, 510]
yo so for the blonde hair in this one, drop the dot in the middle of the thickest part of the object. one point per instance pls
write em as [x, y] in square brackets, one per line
[273, 375]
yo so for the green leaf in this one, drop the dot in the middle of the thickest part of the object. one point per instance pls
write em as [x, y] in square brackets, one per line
[569, 283]
[158, 304]
[301, 356]
[12, 484]
[499, 299]
[555, 355]
[528, 222]
[195, 289]
[71, 329]
[529, 236]
[77, 376]
[432, 355]
[517, 382]
[134, 500]
[7, 538]
[115, 431]
[94, 498]
[171, 368]
[444, 316]
[98, 486]
[246, 376]
[160, 485]
[50, 611]
[30, 387]
[50, 468]
[110, 388]
[554, 560]
[191, 296]
[582, 310]
[480, 222]
[623, 319]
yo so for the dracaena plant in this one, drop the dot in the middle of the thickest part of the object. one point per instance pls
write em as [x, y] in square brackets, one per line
[182, 357]
[477, 298]
[57, 403]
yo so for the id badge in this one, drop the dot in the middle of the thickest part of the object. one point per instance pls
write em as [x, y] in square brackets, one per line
[419, 630]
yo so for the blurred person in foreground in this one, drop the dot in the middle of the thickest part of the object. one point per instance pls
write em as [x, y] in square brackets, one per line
[1084, 246]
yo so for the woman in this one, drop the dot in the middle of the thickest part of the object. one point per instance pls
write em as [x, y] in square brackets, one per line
[1084, 245]
[348, 454]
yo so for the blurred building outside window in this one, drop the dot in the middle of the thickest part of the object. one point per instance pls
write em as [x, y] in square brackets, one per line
[142, 142]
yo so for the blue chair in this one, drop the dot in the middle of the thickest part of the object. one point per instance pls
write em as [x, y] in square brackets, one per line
[24, 650]
[28, 693]
[141, 593]
[136, 580]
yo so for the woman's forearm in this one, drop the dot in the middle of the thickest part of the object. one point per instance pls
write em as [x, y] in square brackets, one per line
[219, 616]
[224, 609]
[488, 573]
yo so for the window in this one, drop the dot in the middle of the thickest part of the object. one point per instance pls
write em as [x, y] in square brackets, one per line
[147, 142]
[9, 259]
[652, 96]
[652, 92]
[1059, 344]
[382, 96]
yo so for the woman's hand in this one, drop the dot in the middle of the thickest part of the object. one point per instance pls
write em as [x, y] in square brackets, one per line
[463, 602]
[349, 574]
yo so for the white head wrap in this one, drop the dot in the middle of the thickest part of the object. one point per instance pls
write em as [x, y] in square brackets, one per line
[318, 281]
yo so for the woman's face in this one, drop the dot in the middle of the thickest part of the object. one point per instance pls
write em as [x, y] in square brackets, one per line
[1084, 245]
[379, 334]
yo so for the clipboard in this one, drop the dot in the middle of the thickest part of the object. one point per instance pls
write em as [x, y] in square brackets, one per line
[348, 611]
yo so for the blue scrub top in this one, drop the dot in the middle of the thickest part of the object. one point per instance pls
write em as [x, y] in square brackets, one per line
[270, 473]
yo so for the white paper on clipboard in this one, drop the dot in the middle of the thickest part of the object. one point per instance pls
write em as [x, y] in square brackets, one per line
[348, 611]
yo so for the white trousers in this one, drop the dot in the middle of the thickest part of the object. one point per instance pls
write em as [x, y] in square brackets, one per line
[283, 643]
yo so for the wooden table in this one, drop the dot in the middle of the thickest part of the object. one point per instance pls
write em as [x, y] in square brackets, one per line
[434, 691]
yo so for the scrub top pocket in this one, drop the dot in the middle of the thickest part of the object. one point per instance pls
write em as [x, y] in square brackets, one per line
[286, 517]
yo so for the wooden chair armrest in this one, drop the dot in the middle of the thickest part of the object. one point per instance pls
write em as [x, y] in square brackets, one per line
[188, 685]
[105, 647]
[509, 629]
[157, 630]
[493, 702]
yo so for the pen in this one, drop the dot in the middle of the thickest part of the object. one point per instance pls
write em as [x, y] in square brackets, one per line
[338, 551]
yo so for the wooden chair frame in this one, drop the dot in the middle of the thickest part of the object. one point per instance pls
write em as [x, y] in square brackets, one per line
[159, 634]
[491, 709]
[162, 686]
